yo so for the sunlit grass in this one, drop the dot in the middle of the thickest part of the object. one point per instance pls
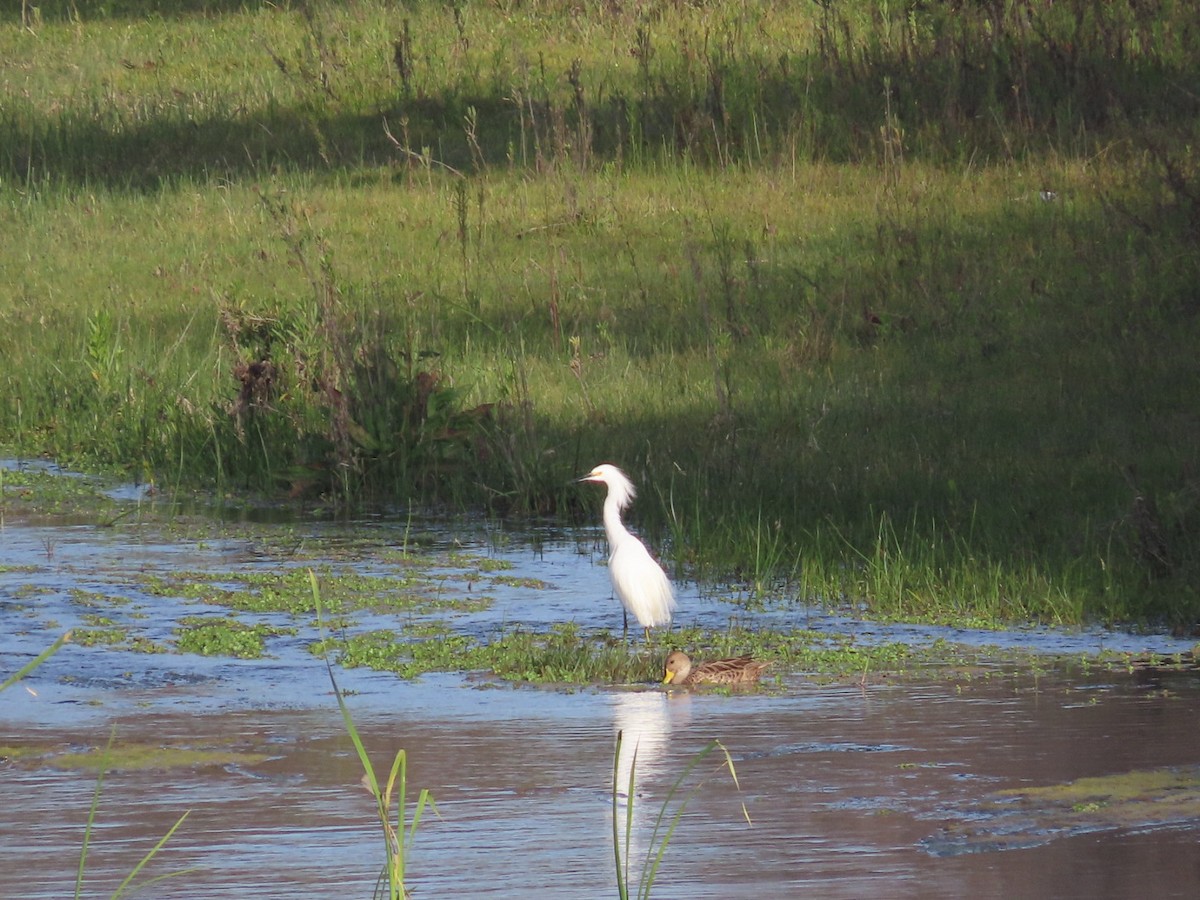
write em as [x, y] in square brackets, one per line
[790, 265]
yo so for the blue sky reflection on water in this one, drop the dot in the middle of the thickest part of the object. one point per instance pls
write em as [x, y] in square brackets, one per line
[845, 786]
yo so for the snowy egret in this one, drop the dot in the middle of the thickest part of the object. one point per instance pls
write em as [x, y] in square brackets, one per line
[735, 670]
[639, 581]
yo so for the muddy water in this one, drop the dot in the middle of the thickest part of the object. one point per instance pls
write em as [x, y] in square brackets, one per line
[892, 789]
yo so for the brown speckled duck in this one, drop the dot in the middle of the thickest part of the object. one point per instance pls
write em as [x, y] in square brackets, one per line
[735, 670]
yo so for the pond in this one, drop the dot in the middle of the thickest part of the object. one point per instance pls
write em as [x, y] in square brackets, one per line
[996, 780]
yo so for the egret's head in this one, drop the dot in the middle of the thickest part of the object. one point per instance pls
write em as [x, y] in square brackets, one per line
[620, 488]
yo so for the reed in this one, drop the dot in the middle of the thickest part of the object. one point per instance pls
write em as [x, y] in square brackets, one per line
[390, 794]
[665, 823]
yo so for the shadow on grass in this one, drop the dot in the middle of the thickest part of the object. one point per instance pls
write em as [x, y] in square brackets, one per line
[951, 83]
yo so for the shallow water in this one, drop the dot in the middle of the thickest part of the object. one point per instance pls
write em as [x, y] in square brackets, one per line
[852, 790]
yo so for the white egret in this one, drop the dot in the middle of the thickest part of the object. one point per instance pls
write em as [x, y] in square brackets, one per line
[639, 581]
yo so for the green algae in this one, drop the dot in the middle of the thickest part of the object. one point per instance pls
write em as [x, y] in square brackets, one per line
[106, 633]
[37, 495]
[97, 599]
[95, 637]
[141, 757]
[285, 590]
[1018, 818]
[1127, 799]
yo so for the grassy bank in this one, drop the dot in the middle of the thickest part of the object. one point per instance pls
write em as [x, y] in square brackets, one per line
[897, 306]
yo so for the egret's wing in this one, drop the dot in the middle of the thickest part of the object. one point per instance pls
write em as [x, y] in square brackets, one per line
[641, 584]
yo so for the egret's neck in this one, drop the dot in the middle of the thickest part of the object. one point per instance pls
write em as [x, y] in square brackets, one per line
[614, 528]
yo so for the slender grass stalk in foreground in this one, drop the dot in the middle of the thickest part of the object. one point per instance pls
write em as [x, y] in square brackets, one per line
[398, 842]
[87, 832]
[124, 885]
[654, 857]
[36, 661]
[149, 855]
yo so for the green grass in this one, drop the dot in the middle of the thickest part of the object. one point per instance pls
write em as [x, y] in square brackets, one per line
[665, 822]
[34, 663]
[390, 794]
[788, 265]
[569, 655]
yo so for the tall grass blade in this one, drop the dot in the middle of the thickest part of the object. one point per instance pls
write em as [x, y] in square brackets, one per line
[397, 841]
[622, 890]
[87, 835]
[149, 856]
[659, 839]
[727, 764]
[91, 819]
[35, 662]
[623, 868]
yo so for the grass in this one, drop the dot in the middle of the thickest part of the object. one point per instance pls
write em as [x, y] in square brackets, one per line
[127, 883]
[412, 610]
[665, 822]
[569, 655]
[35, 662]
[787, 264]
[398, 836]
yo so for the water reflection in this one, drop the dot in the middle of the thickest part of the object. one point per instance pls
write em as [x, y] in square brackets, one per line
[846, 785]
[851, 792]
[644, 720]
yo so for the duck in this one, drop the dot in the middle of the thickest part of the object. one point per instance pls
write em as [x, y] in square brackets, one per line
[734, 670]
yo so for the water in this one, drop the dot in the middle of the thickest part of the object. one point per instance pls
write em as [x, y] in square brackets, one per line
[887, 789]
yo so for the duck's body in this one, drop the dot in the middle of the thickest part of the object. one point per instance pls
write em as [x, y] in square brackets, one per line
[734, 670]
[638, 581]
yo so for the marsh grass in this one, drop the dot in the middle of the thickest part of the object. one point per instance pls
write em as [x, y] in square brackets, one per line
[127, 883]
[666, 821]
[568, 655]
[398, 835]
[563, 655]
[788, 264]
